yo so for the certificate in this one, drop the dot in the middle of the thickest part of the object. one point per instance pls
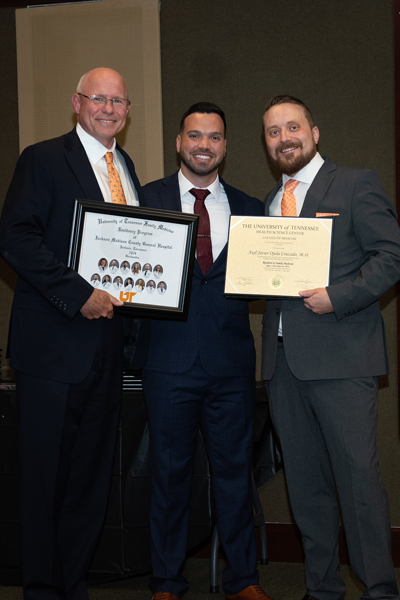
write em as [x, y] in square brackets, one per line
[277, 256]
[142, 256]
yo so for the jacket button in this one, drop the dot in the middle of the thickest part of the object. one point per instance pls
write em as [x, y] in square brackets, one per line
[277, 311]
[204, 282]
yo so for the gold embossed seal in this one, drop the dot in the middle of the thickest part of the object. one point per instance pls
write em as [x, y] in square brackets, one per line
[276, 281]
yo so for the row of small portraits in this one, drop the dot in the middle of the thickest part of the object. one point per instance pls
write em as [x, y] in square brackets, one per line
[126, 267]
[129, 284]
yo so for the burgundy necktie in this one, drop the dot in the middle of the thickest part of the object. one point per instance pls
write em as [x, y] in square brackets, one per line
[204, 247]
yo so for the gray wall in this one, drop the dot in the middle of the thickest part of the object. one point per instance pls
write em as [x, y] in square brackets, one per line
[337, 56]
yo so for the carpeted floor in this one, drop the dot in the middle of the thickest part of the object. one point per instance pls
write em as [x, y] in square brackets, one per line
[281, 581]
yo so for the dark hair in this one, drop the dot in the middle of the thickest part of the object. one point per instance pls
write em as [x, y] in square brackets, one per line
[285, 99]
[203, 108]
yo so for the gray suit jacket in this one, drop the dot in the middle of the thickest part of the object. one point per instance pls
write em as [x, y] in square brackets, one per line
[365, 263]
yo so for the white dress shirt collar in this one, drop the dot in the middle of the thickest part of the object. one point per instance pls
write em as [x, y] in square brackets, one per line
[185, 186]
[306, 174]
[94, 149]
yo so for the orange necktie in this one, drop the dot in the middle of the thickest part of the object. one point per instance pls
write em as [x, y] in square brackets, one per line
[117, 191]
[288, 206]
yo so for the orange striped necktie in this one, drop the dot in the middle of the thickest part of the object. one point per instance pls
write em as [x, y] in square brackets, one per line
[288, 206]
[117, 191]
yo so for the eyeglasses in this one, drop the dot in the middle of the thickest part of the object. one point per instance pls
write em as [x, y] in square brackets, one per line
[102, 101]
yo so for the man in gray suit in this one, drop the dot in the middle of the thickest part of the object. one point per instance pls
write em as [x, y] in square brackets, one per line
[322, 356]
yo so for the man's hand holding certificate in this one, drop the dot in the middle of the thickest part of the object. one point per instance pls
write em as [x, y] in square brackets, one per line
[317, 301]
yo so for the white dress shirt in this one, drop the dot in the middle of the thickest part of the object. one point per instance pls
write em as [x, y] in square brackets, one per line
[96, 153]
[305, 177]
[217, 206]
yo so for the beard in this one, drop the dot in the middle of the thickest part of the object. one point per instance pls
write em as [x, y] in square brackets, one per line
[202, 169]
[292, 165]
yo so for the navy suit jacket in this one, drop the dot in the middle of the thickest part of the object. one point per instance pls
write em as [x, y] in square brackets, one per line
[350, 342]
[48, 336]
[217, 328]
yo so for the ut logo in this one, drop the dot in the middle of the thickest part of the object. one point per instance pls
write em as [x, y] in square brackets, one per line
[126, 296]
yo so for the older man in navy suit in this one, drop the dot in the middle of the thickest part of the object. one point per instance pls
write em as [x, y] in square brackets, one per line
[322, 354]
[65, 343]
[202, 372]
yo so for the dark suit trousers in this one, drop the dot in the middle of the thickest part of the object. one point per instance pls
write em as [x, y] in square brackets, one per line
[327, 429]
[177, 404]
[67, 438]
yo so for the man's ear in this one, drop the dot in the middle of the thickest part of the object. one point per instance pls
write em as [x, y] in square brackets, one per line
[76, 102]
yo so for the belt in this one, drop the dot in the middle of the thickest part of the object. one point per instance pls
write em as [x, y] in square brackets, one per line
[280, 339]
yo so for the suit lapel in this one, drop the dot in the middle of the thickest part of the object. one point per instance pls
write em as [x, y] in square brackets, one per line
[169, 193]
[271, 196]
[236, 204]
[81, 167]
[132, 172]
[318, 189]
[170, 199]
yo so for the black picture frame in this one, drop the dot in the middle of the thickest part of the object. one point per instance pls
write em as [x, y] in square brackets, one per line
[109, 213]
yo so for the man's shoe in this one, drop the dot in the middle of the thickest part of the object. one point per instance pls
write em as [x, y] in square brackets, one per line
[165, 596]
[253, 592]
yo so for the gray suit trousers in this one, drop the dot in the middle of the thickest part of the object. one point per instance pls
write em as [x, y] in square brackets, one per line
[327, 429]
